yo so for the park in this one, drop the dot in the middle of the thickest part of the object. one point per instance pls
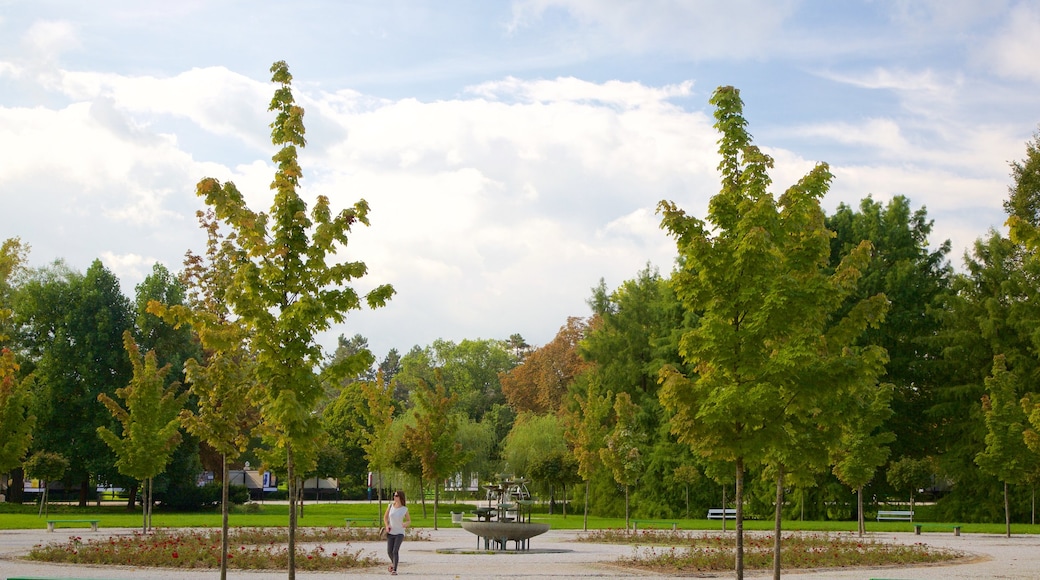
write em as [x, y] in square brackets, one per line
[796, 373]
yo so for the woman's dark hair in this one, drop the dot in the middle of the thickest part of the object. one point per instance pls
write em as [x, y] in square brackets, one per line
[400, 493]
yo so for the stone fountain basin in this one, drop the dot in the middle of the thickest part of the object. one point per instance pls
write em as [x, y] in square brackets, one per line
[519, 531]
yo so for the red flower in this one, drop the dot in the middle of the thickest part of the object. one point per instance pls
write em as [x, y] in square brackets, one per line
[174, 554]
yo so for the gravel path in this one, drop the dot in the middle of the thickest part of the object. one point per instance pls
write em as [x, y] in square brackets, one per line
[553, 555]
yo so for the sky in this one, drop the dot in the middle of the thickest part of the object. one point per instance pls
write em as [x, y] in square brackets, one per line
[514, 152]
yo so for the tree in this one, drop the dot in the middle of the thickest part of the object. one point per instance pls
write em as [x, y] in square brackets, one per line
[585, 431]
[756, 277]
[221, 379]
[16, 424]
[46, 467]
[540, 382]
[994, 311]
[916, 279]
[1006, 456]
[912, 474]
[532, 438]
[150, 421]
[862, 446]
[286, 292]
[432, 438]
[73, 326]
[375, 430]
[621, 451]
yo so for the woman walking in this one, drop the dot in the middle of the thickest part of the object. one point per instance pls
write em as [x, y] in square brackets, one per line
[396, 519]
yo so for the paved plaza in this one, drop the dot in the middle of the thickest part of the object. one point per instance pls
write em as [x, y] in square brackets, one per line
[553, 555]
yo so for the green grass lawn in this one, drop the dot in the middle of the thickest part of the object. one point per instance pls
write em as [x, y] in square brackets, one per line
[14, 516]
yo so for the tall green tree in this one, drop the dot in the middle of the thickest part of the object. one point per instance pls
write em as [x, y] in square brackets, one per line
[756, 274]
[469, 369]
[72, 326]
[287, 292]
[432, 438]
[172, 345]
[150, 425]
[862, 446]
[221, 379]
[532, 438]
[1006, 456]
[994, 311]
[633, 332]
[621, 452]
[375, 429]
[915, 276]
[584, 420]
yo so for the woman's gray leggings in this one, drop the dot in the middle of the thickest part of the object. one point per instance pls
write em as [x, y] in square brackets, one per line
[393, 548]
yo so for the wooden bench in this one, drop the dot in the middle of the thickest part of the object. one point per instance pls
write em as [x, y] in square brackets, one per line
[956, 528]
[93, 523]
[652, 523]
[896, 515]
[722, 513]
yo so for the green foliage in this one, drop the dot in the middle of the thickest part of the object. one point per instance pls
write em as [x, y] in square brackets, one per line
[916, 280]
[469, 370]
[1006, 455]
[46, 466]
[16, 424]
[770, 351]
[150, 420]
[532, 438]
[71, 329]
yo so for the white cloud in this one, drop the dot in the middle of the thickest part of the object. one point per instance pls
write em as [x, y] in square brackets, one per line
[1013, 49]
[696, 30]
[46, 40]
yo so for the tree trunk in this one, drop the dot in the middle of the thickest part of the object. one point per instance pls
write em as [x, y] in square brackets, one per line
[144, 507]
[43, 500]
[1007, 511]
[84, 485]
[224, 509]
[16, 491]
[585, 524]
[740, 519]
[291, 476]
[778, 516]
[859, 511]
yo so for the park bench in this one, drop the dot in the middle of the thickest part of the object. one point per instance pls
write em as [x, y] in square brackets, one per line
[956, 528]
[722, 513]
[896, 515]
[653, 523]
[52, 523]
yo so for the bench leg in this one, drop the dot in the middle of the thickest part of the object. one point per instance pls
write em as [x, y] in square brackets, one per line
[956, 530]
[50, 526]
[93, 526]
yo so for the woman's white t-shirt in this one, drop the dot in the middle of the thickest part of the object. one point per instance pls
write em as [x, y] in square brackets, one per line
[397, 519]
